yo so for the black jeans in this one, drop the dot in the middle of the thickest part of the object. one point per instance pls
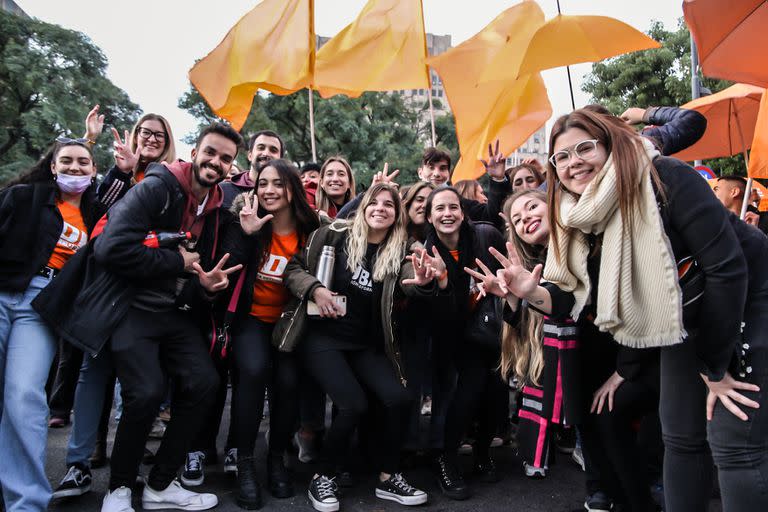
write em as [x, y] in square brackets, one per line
[258, 366]
[67, 372]
[346, 375]
[205, 441]
[740, 448]
[474, 398]
[147, 348]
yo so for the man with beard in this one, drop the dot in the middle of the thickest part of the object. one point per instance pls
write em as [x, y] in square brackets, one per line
[263, 146]
[160, 334]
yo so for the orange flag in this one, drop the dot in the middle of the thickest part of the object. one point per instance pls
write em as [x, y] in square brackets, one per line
[382, 50]
[510, 110]
[758, 158]
[272, 48]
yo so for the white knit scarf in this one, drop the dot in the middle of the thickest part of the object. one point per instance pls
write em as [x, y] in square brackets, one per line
[638, 297]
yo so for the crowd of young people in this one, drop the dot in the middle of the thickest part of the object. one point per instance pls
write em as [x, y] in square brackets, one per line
[610, 289]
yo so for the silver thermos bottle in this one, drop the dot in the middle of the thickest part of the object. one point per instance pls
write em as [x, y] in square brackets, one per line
[324, 274]
[325, 265]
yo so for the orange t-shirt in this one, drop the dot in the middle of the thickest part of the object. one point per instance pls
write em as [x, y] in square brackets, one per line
[455, 255]
[269, 294]
[74, 235]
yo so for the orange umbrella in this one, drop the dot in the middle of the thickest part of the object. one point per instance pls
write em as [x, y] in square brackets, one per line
[731, 118]
[566, 40]
[731, 37]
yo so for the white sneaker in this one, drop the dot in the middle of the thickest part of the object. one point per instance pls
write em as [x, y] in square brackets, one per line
[118, 500]
[177, 497]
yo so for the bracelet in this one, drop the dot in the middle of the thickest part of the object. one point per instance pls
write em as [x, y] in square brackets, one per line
[91, 142]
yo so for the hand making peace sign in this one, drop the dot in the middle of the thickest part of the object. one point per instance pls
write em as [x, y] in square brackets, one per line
[217, 278]
[125, 159]
[249, 215]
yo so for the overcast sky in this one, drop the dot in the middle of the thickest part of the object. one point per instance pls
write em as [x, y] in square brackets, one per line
[151, 44]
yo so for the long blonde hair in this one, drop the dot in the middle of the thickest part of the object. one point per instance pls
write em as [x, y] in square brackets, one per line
[522, 351]
[391, 250]
[322, 201]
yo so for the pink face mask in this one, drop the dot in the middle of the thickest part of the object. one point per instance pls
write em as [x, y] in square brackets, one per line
[75, 185]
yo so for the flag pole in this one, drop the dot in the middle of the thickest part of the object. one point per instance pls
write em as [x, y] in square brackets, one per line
[431, 110]
[429, 76]
[312, 124]
[748, 189]
[568, 69]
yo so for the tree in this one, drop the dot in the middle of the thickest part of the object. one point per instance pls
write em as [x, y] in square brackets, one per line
[658, 77]
[370, 130]
[50, 77]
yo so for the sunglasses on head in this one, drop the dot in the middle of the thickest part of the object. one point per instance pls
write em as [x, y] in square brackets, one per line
[66, 140]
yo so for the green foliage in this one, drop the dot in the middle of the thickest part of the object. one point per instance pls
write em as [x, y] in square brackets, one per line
[658, 77]
[50, 77]
[369, 131]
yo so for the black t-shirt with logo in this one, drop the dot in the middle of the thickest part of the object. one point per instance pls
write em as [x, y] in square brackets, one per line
[361, 326]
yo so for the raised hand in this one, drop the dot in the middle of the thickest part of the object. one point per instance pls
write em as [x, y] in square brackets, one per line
[217, 278]
[633, 115]
[383, 177]
[94, 124]
[494, 166]
[423, 271]
[513, 277]
[125, 159]
[534, 162]
[249, 216]
[487, 282]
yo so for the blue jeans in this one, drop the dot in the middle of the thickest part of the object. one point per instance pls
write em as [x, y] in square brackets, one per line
[95, 374]
[27, 348]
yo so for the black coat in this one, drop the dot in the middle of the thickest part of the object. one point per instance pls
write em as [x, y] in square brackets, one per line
[93, 292]
[674, 128]
[30, 226]
[697, 225]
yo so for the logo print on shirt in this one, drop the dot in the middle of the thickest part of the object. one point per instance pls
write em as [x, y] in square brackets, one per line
[361, 279]
[71, 237]
[273, 269]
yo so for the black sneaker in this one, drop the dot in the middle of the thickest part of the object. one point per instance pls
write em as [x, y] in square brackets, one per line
[598, 502]
[395, 488]
[449, 479]
[76, 482]
[324, 494]
[485, 469]
[193, 474]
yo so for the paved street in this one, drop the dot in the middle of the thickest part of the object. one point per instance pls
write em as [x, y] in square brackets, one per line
[560, 492]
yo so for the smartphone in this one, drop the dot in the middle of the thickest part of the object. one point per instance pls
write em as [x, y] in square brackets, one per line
[341, 302]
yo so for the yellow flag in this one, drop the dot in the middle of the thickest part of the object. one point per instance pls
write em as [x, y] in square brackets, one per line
[758, 158]
[382, 50]
[510, 110]
[272, 48]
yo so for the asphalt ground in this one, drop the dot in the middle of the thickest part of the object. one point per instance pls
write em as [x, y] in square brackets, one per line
[561, 491]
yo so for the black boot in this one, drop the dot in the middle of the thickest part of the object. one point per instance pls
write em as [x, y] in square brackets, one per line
[248, 490]
[278, 477]
[449, 479]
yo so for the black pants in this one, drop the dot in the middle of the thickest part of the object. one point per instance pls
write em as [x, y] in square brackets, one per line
[474, 398]
[206, 438]
[345, 375]
[62, 396]
[258, 366]
[146, 349]
[628, 463]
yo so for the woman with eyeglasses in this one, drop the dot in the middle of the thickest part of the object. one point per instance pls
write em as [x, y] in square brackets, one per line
[622, 218]
[47, 214]
[150, 141]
